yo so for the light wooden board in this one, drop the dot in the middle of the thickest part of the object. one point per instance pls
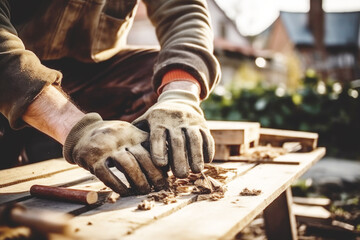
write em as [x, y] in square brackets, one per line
[277, 137]
[187, 219]
[234, 132]
[322, 202]
[124, 212]
[122, 218]
[312, 213]
[224, 218]
[21, 189]
[33, 171]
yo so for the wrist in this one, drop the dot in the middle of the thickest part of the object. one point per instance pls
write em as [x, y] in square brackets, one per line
[179, 79]
[53, 114]
[182, 85]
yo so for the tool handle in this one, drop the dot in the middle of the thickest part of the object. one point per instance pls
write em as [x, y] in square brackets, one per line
[66, 194]
[37, 219]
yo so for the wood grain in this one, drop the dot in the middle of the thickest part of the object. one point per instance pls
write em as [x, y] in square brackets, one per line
[224, 218]
[234, 132]
[277, 138]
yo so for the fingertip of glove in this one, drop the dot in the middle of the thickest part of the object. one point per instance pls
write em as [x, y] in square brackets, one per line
[181, 173]
[160, 184]
[159, 161]
[196, 168]
[145, 189]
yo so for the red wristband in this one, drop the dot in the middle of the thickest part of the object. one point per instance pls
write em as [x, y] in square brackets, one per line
[177, 75]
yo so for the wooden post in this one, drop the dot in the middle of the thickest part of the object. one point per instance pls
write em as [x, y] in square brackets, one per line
[279, 220]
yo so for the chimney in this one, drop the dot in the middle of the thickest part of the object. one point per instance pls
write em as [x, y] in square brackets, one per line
[316, 22]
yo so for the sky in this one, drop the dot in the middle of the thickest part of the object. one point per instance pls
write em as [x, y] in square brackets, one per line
[253, 16]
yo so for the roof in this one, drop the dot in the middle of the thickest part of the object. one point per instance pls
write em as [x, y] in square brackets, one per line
[248, 51]
[341, 29]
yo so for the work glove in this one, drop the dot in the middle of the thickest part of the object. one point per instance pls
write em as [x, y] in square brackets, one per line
[96, 145]
[179, 136]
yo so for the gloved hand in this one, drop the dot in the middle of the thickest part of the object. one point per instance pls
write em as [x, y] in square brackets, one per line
[93, 144]
[179, 135]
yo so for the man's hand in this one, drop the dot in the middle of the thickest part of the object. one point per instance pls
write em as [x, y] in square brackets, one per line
[95, 144]
[179, 135]
[92, 142]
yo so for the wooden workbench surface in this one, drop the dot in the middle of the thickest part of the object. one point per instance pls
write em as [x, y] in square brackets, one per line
[185, 219]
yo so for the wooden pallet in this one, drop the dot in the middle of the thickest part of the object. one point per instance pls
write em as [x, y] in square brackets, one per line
[277, 138]
[233, 138]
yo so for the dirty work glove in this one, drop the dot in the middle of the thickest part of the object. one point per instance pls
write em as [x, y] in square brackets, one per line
[95, 144]
[179, 135]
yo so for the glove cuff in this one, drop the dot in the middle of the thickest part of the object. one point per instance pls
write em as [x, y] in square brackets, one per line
[182, 97]
[76, 133]
[178, 94]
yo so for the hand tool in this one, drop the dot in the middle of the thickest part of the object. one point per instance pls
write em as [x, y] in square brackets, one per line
[65, 194]
[36, 219]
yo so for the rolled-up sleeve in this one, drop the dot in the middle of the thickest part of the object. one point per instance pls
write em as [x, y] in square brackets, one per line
[186, 39]
[22, 76]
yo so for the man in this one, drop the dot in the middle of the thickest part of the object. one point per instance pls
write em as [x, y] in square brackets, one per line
[80, 47]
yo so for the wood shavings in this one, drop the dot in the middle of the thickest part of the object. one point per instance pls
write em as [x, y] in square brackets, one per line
[163, 196]
[10, 233]
[203, 185]
[248, 192]
[208, 185]
[267, 153]
[215, 196]
[219, 173]
[146, 204]
[113, 197]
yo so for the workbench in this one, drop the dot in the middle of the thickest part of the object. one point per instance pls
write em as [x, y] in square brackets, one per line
[185, 219]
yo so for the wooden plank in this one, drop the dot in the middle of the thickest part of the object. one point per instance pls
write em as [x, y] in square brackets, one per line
[224, 218]
[274, 161]
[234, 132]
[222, 152]
[126, 206]
[122, 217]
[279, 219]
[33, 171]
[323, 202]
[56, 178]
[277, 138]
[311, 214]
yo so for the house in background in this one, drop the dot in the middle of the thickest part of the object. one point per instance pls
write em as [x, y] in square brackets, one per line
[239, 61]
[327, 42]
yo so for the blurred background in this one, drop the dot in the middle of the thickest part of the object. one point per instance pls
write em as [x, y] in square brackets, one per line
[292, 65]
[286, 64]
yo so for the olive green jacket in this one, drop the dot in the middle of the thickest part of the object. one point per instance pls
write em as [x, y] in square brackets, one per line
[93, 31]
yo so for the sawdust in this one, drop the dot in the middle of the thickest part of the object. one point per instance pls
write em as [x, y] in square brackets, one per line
[208, 185]
[10, 233]
[265, 153]
[163, 196]
[146, 204]
[113, 197]
[248, 192]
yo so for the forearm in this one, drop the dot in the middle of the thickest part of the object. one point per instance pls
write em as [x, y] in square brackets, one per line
[186, 40]
[53, 114]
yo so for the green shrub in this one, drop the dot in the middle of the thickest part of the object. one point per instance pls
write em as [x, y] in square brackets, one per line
[330, 109]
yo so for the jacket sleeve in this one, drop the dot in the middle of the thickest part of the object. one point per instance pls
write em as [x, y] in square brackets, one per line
[22, 76]
[186, 40]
